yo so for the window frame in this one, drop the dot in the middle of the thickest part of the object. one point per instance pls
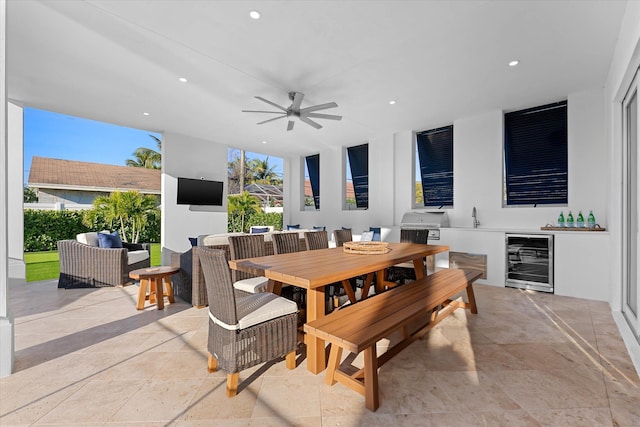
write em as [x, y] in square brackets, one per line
[561, 109]
[418, 167]
[347, 161]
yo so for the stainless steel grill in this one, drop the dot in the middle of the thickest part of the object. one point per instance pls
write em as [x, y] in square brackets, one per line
[432, 221]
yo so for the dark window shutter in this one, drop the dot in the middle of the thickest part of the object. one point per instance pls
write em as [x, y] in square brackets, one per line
[535, 152]
[435, 153]
[313, 166]
[359, 162]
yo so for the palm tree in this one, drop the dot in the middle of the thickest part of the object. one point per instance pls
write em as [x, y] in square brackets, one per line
[236, 172]
[129, 209]
[243, 204]
[146, 157]
[263, 173]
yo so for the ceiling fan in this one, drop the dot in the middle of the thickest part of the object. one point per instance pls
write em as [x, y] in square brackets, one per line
[294, 110]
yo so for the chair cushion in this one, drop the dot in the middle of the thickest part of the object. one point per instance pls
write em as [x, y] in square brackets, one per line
[136, 256]
[258, 308]
[252, 285]
[111, 240]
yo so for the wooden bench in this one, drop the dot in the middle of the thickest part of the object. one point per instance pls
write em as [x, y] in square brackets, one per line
[359, 327]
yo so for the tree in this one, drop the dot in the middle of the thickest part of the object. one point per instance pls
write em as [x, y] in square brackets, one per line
[146, 157]
[262, 173]
[128, 209]
[29, 196]
[243, 204]
[235, 172]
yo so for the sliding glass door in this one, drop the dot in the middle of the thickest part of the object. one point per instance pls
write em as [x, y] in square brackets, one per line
[631, 213]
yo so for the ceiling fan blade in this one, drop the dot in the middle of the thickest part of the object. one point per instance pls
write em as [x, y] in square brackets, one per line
[297, 101]
[262, 111]
[290, 125]
[319, 107]
[310, 122]
[271, 103]
[270, 120]
[323, 116]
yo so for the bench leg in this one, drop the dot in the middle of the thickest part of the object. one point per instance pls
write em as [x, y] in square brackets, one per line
[371, 378]
[472, 299]
[335, 355]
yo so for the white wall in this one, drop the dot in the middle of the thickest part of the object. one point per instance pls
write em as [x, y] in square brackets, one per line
[478, 174]
[184, 156]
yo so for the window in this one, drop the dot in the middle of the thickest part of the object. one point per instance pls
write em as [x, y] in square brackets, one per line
[358, 176]
[535, 155]
[435, 159]
[312, 177]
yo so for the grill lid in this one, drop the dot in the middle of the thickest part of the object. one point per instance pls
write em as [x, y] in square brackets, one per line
[433, 219]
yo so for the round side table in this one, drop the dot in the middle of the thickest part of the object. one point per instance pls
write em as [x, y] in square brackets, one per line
[154, 278]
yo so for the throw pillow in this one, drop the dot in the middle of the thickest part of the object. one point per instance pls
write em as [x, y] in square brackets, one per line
[258, 230]
[376, 233]
[293, 227]
[319, 228]
[193, 241]
[109, 240]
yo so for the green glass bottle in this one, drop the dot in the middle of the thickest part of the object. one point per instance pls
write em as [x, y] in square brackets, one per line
[570, 220]
[580, 220]
[591, 220]
[561, 219]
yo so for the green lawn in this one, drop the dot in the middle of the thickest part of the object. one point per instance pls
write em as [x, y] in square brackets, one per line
[46, 266]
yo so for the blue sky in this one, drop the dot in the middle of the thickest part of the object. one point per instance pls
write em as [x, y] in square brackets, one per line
[48, 134]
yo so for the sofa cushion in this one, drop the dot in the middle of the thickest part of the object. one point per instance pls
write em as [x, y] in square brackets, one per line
[293, 227]
[258, 308]
[259, 230]
[108, 241]
[216, 239]
[137, 256]
[90, 238]
[193, 241]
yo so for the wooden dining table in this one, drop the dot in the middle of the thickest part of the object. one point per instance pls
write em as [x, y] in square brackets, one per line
[313, 270]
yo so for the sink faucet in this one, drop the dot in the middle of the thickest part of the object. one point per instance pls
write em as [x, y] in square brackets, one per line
[476, 223]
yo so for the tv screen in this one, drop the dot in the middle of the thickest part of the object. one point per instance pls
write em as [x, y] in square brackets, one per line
[199, 192]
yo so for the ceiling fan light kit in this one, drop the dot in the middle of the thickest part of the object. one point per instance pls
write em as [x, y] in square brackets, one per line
[304, 114]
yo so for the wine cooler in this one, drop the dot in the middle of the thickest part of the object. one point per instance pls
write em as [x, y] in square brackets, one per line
[530, 261]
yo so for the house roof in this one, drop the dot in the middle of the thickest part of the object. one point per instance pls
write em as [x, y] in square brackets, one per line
[72, 175]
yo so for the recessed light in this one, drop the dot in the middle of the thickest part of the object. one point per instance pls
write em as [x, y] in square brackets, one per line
[182, 79]
[392, 102]
[514, 63]
[264, 142]
[145, 114]
[254, 14]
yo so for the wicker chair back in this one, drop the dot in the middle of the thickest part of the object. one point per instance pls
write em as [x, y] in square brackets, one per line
[246, 246]
[341, 236]
[220, 291]
[316, 240]
[284, 243]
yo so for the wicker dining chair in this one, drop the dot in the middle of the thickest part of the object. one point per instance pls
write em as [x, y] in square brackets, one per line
[406, 271]
[247, 246]
[341, 236]
[244, 329]
[316, 240]
[284, 243]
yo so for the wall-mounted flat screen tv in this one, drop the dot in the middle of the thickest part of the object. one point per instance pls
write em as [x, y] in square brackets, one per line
[199, 192]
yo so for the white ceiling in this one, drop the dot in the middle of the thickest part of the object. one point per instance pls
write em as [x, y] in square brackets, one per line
[440, 60]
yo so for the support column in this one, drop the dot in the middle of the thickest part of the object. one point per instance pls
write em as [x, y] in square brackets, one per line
[6, 320]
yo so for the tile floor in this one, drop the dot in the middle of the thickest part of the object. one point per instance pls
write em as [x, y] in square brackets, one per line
[89, 358]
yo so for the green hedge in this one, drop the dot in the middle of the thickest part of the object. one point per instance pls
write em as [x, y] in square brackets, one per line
[257, 218]
[43, 229]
